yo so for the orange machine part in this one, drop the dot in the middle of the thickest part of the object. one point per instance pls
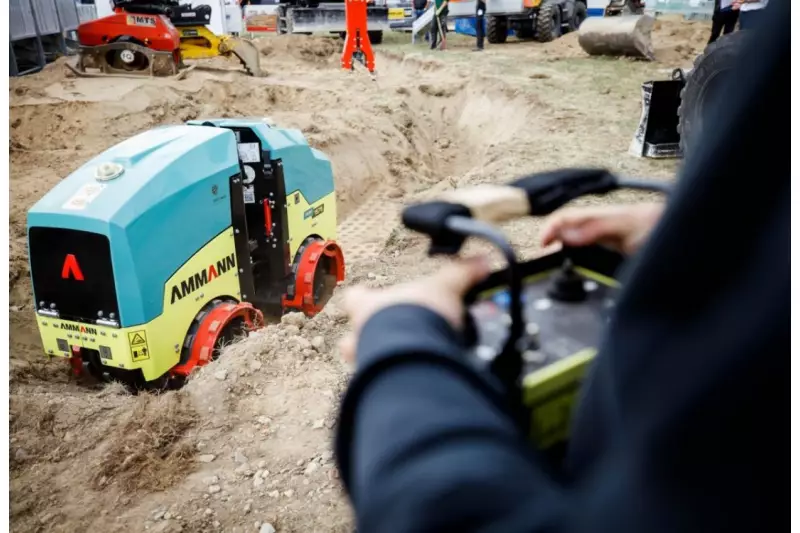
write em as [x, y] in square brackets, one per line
[211, 328]
[76, 361]
[357, 39]
[153, 31]
[304, 280]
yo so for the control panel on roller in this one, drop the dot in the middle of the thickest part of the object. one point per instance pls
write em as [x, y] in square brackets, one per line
[535, 325]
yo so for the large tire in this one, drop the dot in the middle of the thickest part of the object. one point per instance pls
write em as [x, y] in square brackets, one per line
[375, 37]
[704, 86]
[579, 16]
[548, 22]
[497, 30]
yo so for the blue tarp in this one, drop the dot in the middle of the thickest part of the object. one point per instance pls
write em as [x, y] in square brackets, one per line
[467, 27]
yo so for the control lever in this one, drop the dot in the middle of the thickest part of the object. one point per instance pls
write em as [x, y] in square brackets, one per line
[567, 285]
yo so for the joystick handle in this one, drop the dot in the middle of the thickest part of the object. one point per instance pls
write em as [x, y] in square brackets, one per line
[532, 195]
[536, 195]
[567, 285]
[549, 191]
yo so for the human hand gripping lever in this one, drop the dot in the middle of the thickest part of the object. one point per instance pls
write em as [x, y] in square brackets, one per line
[469, 212]
[432, 360]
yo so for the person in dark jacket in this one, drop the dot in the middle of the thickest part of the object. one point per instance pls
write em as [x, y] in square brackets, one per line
[419, 9]
[750, 12]
[683, 423]
[724, 20]
[480, 21]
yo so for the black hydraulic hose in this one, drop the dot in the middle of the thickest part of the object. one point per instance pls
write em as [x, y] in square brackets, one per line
[645, 185]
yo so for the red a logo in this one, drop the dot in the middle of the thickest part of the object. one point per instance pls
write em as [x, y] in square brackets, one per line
[71, 267]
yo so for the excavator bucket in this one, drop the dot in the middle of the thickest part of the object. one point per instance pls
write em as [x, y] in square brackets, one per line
[624, 35]
[247, 53]
[657, 136]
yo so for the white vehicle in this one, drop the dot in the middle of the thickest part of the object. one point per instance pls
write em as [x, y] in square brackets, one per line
[401, 14]
[543, 20]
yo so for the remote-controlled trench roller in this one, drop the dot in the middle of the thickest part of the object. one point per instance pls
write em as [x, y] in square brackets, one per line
[153, 255]
[624, 35]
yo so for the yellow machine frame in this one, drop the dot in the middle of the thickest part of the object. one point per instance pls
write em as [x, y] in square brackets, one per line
[199, 42]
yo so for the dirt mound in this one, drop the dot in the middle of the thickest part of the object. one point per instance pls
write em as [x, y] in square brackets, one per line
[32, 85]
[309, 48]
[249, 428]
[677, 41]
[564, 47]
[148, 448]
[59, 438]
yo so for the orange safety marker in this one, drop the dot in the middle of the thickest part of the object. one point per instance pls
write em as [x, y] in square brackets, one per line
[357, 40]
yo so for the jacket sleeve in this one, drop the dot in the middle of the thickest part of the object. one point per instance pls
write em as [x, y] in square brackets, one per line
[427, 444]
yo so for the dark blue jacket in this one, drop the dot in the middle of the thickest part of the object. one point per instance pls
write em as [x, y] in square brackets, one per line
[684, 421]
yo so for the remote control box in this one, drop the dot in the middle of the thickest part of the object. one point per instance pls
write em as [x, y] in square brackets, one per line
[534, 325]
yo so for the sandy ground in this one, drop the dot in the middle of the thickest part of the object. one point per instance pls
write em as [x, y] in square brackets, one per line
[247, 442]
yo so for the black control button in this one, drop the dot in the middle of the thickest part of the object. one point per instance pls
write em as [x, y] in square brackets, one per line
[567, 285]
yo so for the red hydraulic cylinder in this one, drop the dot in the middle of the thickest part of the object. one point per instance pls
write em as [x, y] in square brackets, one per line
[357, 39]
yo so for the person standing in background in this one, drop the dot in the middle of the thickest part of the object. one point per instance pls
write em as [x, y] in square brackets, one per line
[750, 12]
[419, 9]
[439, 23]
[480, 11]
[726, 14]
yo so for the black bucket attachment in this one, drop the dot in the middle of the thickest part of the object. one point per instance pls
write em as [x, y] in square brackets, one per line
[657, 135]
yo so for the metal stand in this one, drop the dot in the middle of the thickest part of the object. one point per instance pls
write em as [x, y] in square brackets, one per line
[42, 24]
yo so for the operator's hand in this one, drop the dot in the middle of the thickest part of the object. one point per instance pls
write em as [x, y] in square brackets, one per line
[442, 293]
[621, 227]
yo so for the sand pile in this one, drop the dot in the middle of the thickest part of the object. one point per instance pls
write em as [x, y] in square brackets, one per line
[678, 41]
[230, 421]
[304, 47]
[563, 48]
[675, 42]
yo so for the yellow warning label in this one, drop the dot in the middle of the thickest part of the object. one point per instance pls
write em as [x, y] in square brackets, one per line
[138, 342]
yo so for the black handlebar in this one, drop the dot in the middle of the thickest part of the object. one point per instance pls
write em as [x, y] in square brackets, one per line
[545, 192]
